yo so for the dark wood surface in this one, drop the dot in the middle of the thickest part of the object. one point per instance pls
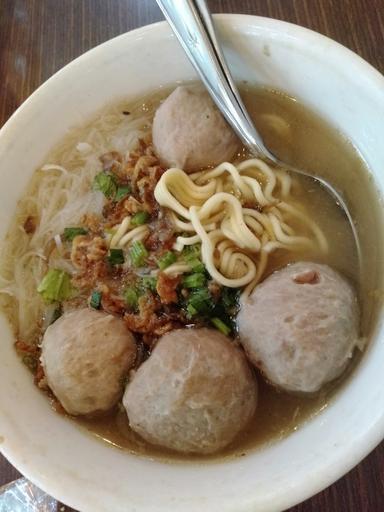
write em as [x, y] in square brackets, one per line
[38, 37]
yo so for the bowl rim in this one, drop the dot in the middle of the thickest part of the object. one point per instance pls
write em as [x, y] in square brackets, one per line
[373, 434]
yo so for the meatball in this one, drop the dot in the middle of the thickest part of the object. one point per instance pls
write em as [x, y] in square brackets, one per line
[85, 355]
[189, 132]
[300, 326]
[194, 394]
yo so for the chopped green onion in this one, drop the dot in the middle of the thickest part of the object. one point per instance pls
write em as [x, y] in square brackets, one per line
[116, 256]
[131, 297]
[95, 301]
[192, 251]
[149, 283]
[140, 218]
[138, 253]
[197, 280]
[196, 265]
[106, 184]
[192, 255]
[229, 297]
[122, 191]
[55, 286]
[201, 301]
[191, 310]
[70, 233]
[221, 326]
[166, 260]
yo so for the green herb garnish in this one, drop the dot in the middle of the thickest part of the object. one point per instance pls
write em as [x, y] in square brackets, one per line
[95, 301]
[192, 256]
[149, 283]
[131, 297]
[138, 253]
[221, 326]
[70, 233]
[166, 260]
[140, 218]
[192, 251]
[116, 256]
[196, 265]
[55, 286]
[229, 297]
[197, 280]
[201, 302]
[191, 310]
[106, 184]
[122, 191]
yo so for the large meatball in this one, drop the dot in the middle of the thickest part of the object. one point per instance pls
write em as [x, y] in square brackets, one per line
[194, 394]
[86, 354]
[300, 326]
[189, 132]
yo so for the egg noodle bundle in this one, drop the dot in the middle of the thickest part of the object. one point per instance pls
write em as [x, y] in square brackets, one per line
[240, 214]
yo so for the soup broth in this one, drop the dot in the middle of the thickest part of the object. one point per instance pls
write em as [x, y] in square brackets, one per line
[299, 137]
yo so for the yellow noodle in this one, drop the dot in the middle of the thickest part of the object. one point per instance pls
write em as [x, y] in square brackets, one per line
[121, 231]
[134, 235]
[177, 268]
[235, 237]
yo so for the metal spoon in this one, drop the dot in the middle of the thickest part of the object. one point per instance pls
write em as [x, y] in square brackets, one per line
[191, 22]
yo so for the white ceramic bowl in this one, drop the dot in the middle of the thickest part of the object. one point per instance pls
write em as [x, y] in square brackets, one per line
[91, 476]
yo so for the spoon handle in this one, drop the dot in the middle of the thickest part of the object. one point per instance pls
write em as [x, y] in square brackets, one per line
[192, 23]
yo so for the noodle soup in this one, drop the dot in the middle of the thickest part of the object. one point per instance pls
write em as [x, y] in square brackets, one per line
[68, 199]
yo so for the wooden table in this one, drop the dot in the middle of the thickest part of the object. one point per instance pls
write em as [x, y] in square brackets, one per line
[37, 37]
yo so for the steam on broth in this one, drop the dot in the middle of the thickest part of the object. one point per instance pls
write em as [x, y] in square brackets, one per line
[67, 180]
